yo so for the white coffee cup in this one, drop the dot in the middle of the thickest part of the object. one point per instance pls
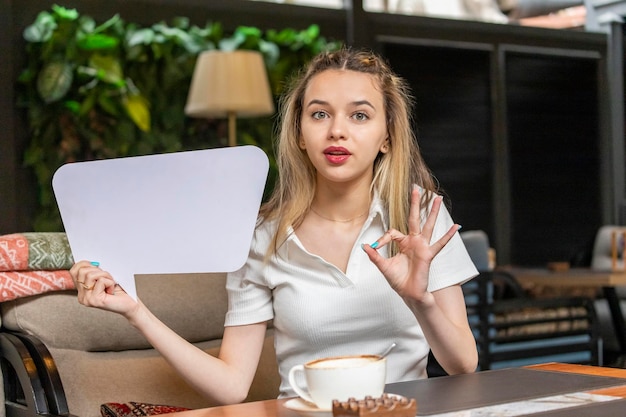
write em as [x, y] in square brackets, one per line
[340, 378]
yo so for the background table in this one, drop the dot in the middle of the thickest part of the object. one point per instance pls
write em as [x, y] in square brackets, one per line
[577, 278]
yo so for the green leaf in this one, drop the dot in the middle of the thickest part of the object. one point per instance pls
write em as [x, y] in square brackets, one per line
[109, 69]
[211, 32]
[270, 51]
[27, 76]
[109, 23]
[32, 155]
[249, 31]
[42, 29]
[231, 44]
[87, 104]
[312, 32]
[72, 105]
[140, 37]
[63, 13]
[137, 108]
[54, 81]
[107, 104]
[181, 22]
[86, 25]
[97, 41]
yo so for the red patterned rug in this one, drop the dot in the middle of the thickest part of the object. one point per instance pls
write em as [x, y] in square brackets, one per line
[136, 409]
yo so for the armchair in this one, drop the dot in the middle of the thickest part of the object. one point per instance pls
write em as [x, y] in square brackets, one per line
[61, 358]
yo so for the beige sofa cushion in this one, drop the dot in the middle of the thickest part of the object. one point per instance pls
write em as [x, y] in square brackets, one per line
[194, 305]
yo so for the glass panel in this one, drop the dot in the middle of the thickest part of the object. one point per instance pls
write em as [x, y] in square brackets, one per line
[556, 14]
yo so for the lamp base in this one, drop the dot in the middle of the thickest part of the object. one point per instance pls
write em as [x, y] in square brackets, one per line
[232, 128]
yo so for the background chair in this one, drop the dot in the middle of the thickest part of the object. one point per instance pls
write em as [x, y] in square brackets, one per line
[513, 329]
[601, 259]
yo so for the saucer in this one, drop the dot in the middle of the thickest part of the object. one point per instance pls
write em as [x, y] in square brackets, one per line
[305, 409]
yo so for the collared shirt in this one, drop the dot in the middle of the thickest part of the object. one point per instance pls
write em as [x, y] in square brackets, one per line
[318, 311]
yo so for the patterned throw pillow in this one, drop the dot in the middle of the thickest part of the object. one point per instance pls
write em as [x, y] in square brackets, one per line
[34, 263]
[35, 251]
[137, 409]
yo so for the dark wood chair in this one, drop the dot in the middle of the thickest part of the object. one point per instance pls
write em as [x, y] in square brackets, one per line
[519, 330]
[514, 329]
[32, 385]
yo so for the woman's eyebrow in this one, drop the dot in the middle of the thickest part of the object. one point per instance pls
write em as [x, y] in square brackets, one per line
[364, 103]
[354, 103]
[316, 101]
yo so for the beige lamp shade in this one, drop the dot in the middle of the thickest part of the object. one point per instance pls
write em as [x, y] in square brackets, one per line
[229, 84]
[225, 82]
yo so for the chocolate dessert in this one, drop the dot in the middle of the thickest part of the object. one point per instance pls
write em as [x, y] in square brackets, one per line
[386, 405]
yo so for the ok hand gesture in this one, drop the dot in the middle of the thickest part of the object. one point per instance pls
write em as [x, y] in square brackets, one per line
[407, 271]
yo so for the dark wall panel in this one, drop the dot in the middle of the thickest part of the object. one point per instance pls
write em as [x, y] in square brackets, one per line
[552, 137]
[453, 121]
[554, 156]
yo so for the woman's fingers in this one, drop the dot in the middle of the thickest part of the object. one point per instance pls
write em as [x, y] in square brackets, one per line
[374, 256]
[90, 280]
[431, 220]
[115, 289]
[425, 233]
[443, 241]
[415, 211]
[391, 234]
[79, 273]
[415, 218]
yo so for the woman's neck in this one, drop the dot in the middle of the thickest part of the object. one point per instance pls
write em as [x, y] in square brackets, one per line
[343, 206]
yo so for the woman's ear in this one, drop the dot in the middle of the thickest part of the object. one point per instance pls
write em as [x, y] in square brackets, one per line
[385, 146]
[302, 144]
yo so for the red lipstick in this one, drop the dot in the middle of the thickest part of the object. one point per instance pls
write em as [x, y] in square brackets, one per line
[336, 154]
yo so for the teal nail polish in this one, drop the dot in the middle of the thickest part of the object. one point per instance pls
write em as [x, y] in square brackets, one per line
[94, 263]
[374, 245]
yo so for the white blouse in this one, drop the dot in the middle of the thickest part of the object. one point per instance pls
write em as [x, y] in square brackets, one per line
[319, 311]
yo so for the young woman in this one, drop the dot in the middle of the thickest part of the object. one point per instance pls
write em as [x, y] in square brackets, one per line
[353, 251]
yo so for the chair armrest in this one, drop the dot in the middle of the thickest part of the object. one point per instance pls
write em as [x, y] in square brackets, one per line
[32, 385]
[23, 390]
[48, 374]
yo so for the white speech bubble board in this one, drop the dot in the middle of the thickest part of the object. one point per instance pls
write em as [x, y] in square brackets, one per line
[181, 212]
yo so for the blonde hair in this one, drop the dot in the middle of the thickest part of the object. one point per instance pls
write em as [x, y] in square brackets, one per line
[394, 172]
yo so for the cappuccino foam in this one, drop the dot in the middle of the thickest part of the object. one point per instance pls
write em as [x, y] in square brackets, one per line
[343, 362]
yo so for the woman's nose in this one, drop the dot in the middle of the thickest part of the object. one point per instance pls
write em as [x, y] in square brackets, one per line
[337, 129]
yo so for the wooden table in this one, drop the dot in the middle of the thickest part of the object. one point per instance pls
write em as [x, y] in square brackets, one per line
[275, 408]
[574, 277]
[580, 277]
[618, 391]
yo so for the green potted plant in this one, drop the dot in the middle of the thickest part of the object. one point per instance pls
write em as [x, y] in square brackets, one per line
[114, 89]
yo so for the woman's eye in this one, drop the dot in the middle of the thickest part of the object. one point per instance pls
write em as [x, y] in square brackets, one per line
[318, 115]
[360, 116]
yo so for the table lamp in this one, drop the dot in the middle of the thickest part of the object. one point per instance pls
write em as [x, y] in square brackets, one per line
[229, 84]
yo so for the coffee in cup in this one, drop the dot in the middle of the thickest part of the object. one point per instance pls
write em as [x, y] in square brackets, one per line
[340, 378]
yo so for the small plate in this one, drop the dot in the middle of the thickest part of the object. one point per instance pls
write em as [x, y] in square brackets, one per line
[305, 409]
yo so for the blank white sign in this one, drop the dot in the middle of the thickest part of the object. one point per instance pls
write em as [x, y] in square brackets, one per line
[180, 212]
